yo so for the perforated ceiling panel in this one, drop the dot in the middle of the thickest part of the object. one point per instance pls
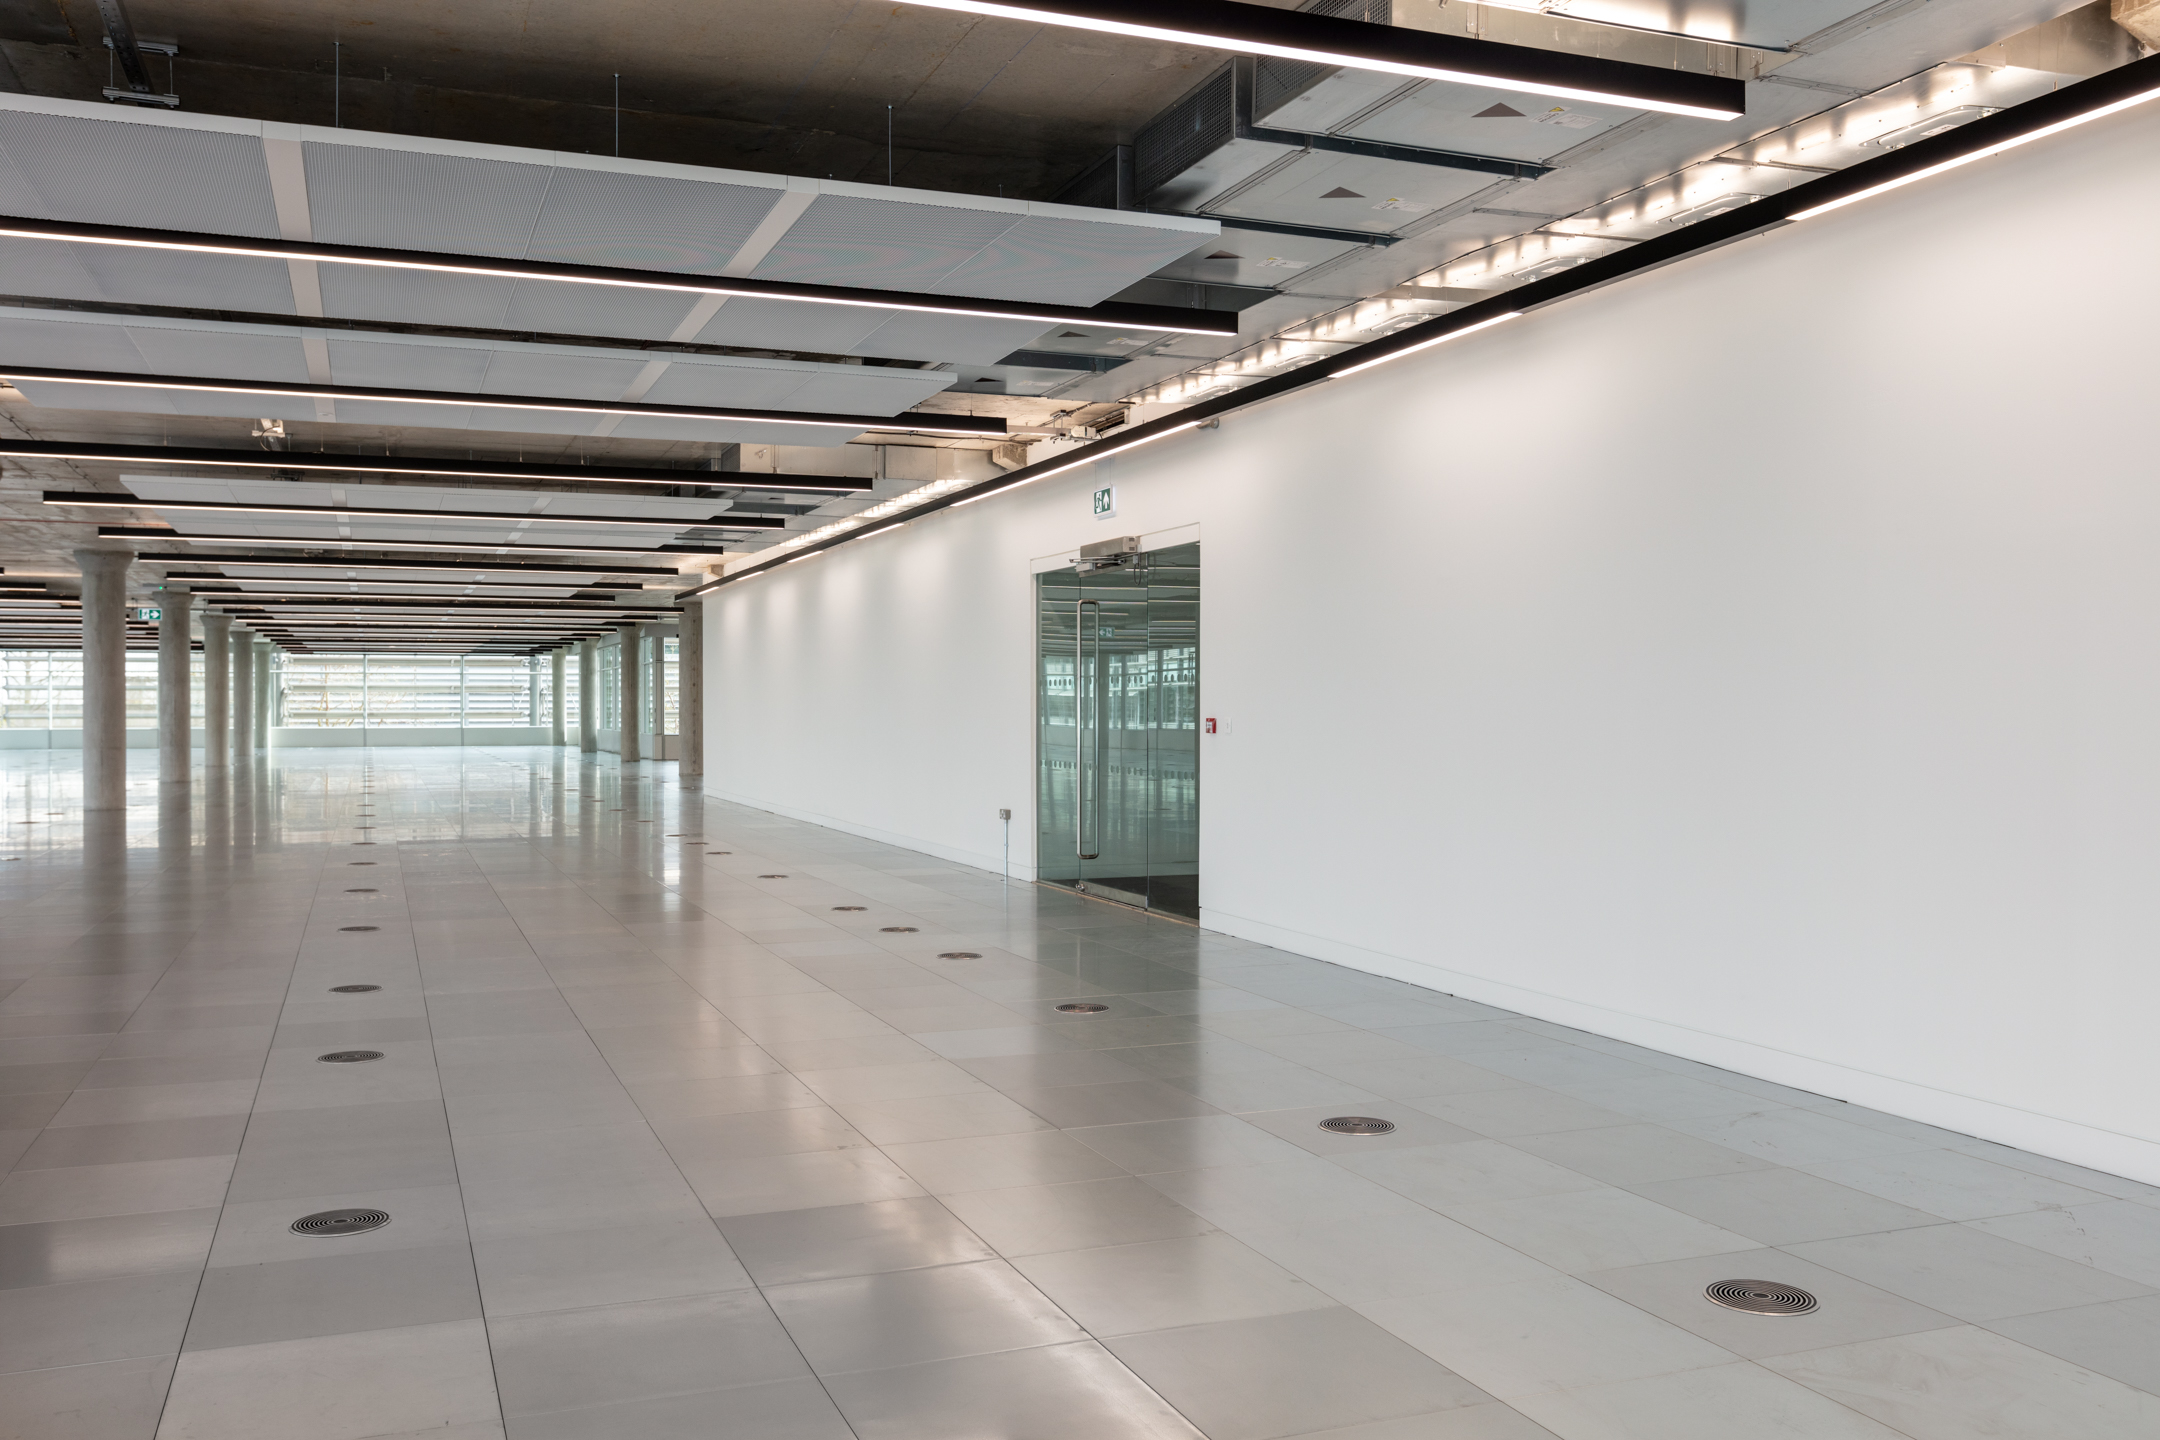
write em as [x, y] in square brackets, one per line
[820, 329]
[55, 345]
[645, 221]
[34, 267]
[382, 364]
[595, 310]
[413, 199]
[949, 337]
[842, 238]
[1067, 261]
[572, 377]
[656, 509]
[206, 282]
[649, 427]
[210, 352]
[358, 292]
[167, 172]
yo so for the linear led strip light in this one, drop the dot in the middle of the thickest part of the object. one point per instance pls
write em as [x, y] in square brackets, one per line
[1164, 319]
[963, 426]
[99, 500]
[336, 542]
[426, 465]
[1391, 50]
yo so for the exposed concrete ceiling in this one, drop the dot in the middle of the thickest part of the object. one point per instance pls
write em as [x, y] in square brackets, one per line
[799, 87]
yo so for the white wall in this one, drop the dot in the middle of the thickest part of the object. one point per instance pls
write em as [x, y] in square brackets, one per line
[1759, 659]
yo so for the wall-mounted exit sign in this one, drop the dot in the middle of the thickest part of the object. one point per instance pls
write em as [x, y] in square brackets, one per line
[1106, 503]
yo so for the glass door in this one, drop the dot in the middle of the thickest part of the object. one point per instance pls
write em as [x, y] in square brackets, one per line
[1117, 730]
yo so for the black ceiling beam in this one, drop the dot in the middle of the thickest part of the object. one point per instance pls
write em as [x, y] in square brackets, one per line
[235, 583]
[303, 461]
[483, 547]
[102, 500]
[1394, 50]
[1111, 315]
[326, 562]
[907, 423]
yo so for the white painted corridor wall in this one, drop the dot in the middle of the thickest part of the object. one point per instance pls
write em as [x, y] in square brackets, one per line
[1758, 660]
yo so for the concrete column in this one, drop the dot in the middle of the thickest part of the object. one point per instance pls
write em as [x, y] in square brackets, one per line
[217, 691]
[264, 681]
[532, 690]
[588, 696]
[175, 700]
[104, 620]
[633, 722]
[690, 698]
[555, 697]
[243, 686]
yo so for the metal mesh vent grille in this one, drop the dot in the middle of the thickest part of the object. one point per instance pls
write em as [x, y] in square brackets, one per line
[1275, 81]
[1096, 186]
[1189, 131]
[1357, 1125]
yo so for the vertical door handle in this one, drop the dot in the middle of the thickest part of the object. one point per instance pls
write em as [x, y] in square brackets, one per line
[1080, 785]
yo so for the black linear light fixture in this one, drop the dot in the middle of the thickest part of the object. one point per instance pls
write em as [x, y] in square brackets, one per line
[376, 605]
[224, 595]
[2102, 95]
[420, 586]
[456, 547]
[962, 426]
[100, 500]
[461, 567]
[1114, 315]
[1389, 49]
[565, 473]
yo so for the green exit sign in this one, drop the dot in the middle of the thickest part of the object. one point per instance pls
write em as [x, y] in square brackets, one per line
[149, 612]
[1106, 503]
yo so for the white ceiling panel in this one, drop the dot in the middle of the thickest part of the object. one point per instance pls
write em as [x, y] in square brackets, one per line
[58, 345]
[362, 292]
[272, 571]
[772, 389]
[646, 222]
[1069, 261]
[53, 395]
[820, 329]
[220, 353]
[907, 336]
[653, 427]
[167, 172]
[382, 363]
[33, 267]
[207, 282]
[399, 198]
[515, 504]
[841, 239]
[595, 310]
[570, 377]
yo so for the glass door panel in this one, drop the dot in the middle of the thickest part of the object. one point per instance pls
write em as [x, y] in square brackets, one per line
[1117, 731]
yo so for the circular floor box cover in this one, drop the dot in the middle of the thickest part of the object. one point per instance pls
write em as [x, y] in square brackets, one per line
[356, 929]
[850, 907]
[1761, 1297]
[353, 989]
[340, 1222]
[1083, 1007]
[1357, 1125]
[896, 929]
[348, 1057]
[959, 955]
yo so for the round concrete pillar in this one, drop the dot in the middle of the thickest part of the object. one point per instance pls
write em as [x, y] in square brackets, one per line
[217, 691]
[690, 695]
[104, 728]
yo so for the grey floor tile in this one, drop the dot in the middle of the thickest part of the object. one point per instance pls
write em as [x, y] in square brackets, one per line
[1637, 1154]
[1488, 1421]
[1782, 1207]
[1794, 1137]
[1673, 1290]
[141, 1187]
[1076, 1215]
[332, 1387]
[1468, 1173]
[911, 1317]
[397, 1145]
[1058, 1392]
[1206, 1141]
[60, 1252]
[1954, 1384]
[1701, 1405]
[1966, 1272]
[112, 1400]
[1597, 1229]
[2119, 1339]
[1284, 1375]
[332, 1295]
[999, 1162]
[1517, 1339]
[612, 1353]
[787, 1246]
[142, 1140]
[797, 1181]
[1158, 1284]
[561, 1270]
[1525, 1110]
[776, 1410]
[2121, 1237]
[88, 1321]
[1952, 1185]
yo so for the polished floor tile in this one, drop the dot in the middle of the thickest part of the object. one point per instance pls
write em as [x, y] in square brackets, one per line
[672, 1150]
